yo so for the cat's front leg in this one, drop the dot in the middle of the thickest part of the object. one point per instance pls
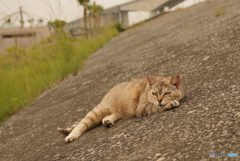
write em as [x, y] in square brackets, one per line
[109, 120]
[171, 104]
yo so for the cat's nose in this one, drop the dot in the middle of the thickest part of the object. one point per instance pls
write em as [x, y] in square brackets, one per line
[159, 101]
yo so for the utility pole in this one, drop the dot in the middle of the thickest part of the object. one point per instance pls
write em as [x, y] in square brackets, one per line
[21, 15]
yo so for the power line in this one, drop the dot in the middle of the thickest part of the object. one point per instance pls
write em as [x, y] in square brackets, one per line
[6, 6]
[33, 15]
[49, 5]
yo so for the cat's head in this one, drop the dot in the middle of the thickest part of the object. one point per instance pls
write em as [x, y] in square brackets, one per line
[162, 93]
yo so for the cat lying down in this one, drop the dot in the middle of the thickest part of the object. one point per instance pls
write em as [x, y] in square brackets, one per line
[138, 97]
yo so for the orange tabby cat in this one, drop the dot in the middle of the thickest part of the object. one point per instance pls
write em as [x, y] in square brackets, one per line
[138, 97]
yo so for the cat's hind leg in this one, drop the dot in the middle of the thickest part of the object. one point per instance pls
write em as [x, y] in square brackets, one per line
[67, 130]
[109, 120]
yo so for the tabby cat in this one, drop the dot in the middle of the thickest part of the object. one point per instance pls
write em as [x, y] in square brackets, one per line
[138, 97]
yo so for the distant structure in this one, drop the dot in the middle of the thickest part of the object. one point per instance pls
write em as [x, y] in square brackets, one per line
[150, 7]
[22, 37]
[121, 13]
[13, 35]
[7, 26]
[76, 27]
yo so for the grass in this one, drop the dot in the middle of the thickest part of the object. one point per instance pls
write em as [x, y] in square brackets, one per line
[218, 11]
[24, 74]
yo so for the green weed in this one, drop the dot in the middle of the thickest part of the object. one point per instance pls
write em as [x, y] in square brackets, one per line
[25, 73]
[218, 11]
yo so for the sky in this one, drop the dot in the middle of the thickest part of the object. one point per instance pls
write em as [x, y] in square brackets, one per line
[49, 10]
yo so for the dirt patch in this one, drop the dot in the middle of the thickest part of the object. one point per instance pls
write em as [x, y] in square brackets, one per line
[202, 48]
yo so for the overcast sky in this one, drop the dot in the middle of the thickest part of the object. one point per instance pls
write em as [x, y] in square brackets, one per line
[48, 10]
[67, 10]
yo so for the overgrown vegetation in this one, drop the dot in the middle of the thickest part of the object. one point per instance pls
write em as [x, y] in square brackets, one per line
[57, 24]
[25, 73]
[119, 27]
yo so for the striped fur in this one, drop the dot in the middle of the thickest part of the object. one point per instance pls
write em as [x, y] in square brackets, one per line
[138, 97]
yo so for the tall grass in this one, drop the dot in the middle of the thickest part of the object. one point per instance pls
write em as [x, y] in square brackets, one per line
[24, 74]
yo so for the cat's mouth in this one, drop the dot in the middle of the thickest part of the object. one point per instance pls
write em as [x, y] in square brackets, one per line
[159, 104]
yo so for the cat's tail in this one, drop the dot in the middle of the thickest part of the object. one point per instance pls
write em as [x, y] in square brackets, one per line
[92, 119]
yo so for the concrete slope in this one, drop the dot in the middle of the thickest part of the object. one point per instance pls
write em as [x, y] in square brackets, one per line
[202, 48]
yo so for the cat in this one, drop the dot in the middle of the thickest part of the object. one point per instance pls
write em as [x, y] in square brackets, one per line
[138, 97]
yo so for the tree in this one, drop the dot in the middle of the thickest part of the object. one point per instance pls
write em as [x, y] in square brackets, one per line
[89, 8]
[31, 21]
[84, 3]
[95, 11]
[94, 14]
[39, 23]
[8, 21]
[22, 23]
[57, 24]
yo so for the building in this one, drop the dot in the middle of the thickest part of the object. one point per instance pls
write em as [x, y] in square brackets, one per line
[138, 10]
[76, 27]
[22, 37]
[127, 14]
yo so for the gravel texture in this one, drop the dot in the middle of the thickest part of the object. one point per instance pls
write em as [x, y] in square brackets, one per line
[202, 48]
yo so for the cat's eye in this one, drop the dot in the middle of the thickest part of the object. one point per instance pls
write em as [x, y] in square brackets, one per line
[154, 93]
[167, 93]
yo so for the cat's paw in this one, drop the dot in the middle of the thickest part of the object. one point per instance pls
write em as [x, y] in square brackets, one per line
[71, 137]
[171, 104]
[107, 123]
[64, 131]
[175, 103]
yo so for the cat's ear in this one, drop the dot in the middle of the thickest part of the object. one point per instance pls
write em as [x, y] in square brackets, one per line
[175, 80]
[151, 80]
